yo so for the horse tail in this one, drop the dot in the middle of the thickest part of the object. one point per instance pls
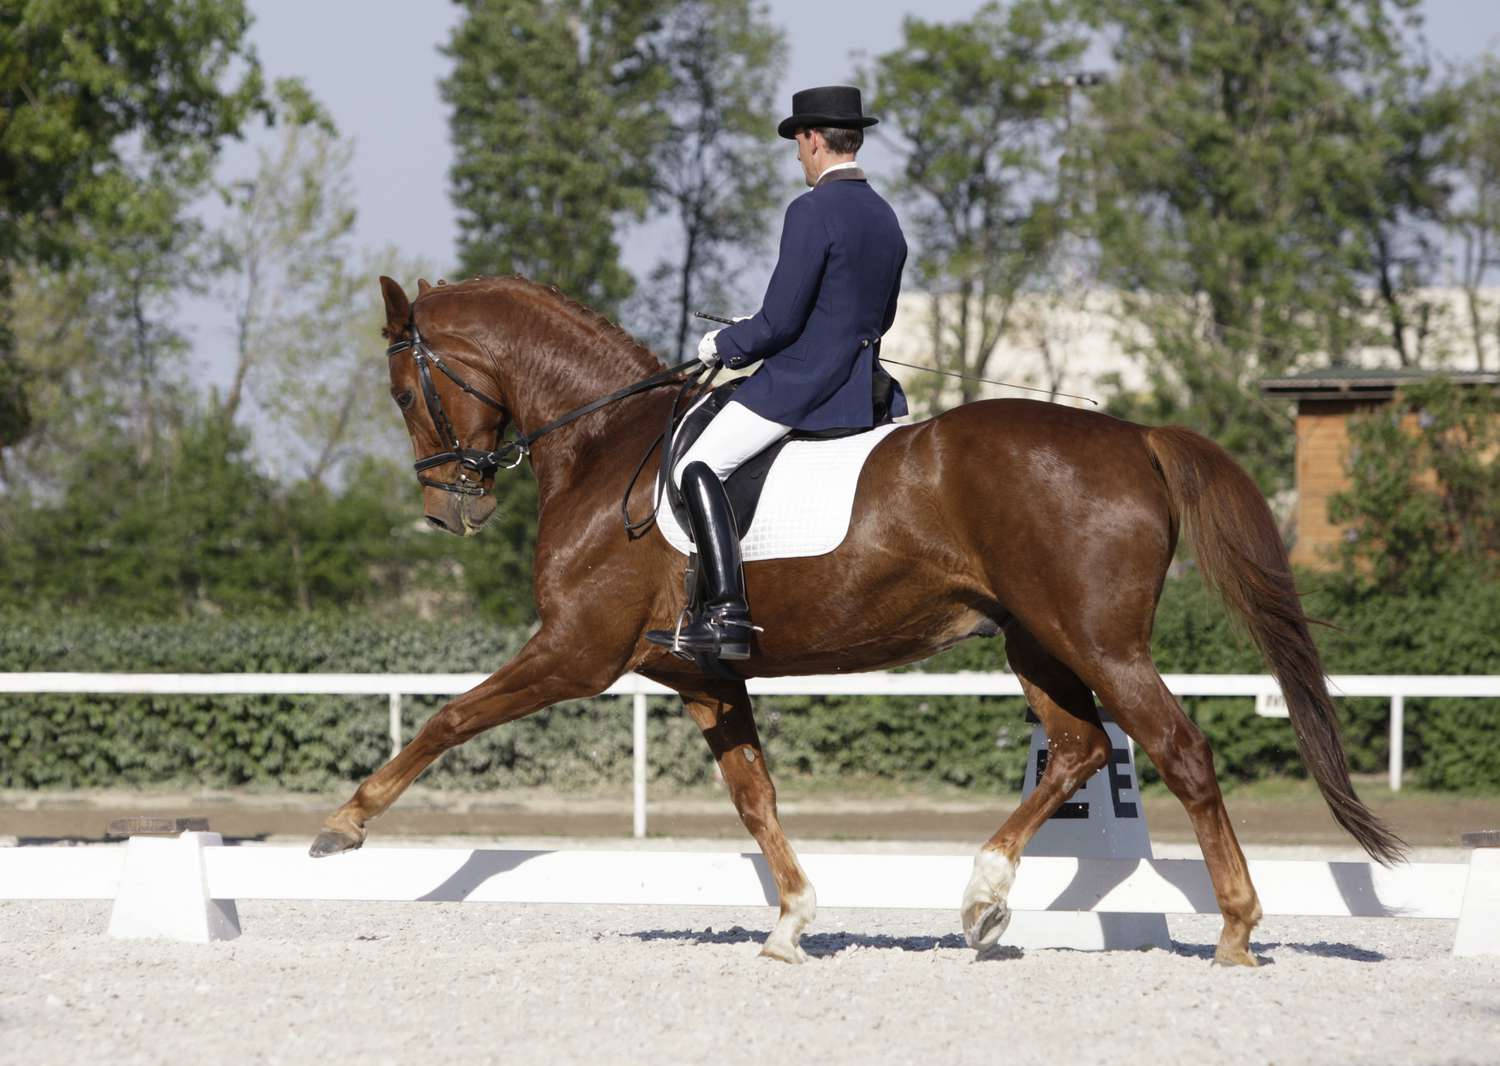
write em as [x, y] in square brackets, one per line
[1242, 558]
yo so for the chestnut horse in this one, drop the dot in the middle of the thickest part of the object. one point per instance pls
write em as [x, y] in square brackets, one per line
[1050, 525]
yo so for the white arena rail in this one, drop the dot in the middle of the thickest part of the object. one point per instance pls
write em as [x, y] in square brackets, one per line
[1396, 688]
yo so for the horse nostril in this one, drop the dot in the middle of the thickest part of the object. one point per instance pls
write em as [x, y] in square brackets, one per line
[438, 523]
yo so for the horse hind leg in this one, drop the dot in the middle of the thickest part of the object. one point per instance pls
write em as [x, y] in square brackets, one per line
[1077, 746]
[724, 715]
[1140, 701]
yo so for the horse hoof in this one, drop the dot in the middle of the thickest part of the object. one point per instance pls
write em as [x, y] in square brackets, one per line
[984, 928]
[331, 842]
[1234, 957]
[791, 953]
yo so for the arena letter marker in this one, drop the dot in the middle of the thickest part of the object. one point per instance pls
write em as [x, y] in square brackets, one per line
[1104, 819]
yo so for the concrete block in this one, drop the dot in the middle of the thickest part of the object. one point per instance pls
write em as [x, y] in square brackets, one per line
[163, 892]
[1479, 916]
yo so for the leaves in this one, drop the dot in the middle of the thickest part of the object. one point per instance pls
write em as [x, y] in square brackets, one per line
[979, 140]
[1423, 505]
[320, 741]
[715, 175]
[1475, 220]
[553, 124]
[1254, 166]
[100, 101]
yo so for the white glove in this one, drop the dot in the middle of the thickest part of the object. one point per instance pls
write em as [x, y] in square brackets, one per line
[708, 350]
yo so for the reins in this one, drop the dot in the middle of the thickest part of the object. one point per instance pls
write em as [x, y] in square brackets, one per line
[475, 464]
[664, 471]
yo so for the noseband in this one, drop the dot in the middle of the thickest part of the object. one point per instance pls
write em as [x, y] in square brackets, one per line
[474, 465]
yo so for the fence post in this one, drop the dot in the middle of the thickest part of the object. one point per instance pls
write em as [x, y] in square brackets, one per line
[1398, 739]
[395, 724]
[638, 749]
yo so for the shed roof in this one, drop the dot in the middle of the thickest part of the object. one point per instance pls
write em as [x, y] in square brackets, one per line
[1355, 383]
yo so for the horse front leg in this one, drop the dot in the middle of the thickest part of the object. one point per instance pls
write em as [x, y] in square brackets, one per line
[536, 678]
[724, 715]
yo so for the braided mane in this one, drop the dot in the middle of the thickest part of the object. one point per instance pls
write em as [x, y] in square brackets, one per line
[606, 332]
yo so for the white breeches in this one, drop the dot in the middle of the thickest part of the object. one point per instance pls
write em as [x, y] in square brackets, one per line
[734, 435]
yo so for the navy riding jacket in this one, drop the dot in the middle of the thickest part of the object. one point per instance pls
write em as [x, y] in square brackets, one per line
[831, 298]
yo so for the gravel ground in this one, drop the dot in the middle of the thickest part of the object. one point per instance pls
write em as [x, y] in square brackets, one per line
[476, 983]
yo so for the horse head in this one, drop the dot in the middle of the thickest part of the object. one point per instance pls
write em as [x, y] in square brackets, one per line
[454, 410]
[469, 360]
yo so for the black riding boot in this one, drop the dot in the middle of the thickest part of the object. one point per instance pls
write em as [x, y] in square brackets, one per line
[723, 628]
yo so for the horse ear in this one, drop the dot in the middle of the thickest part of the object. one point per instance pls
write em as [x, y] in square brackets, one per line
[422, 287]
[397, 307]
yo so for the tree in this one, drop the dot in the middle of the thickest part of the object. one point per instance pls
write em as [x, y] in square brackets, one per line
[1423, 506]
[979, 137]
[716, 173]
[99, 333]
[1476, 218]
[553, 123]
[1239, 201]
[1392, 194]
[305, 305]
[325, 392]
[83, 85]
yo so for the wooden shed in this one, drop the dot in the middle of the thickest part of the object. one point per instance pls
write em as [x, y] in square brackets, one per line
[1325, 401]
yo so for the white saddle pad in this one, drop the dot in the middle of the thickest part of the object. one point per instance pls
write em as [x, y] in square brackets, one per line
[805, 506]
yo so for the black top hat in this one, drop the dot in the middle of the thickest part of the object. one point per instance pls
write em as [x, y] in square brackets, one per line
[837, 106]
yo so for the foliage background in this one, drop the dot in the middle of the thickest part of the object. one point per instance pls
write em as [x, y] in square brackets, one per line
[1266, 185]
[314, 742]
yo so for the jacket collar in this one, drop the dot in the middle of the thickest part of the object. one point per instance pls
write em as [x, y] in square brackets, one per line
[839, 173]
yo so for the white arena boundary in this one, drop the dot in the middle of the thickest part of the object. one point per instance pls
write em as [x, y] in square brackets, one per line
[175, 871]
[166, 878]
[670, 878]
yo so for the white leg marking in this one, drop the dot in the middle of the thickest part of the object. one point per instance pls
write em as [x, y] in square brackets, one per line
[797, 914]
[984, 910]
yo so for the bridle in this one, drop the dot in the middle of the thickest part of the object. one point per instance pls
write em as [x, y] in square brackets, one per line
[476, 465]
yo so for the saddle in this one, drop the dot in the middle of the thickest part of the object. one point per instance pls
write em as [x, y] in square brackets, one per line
[744, 486]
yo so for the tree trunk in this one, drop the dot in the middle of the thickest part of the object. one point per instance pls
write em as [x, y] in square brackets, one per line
[1395, 313]
[685, 294]
[145, 367]
[1473, 273]
[335, 435]
[15, 413]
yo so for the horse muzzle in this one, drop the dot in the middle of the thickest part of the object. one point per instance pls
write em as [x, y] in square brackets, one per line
[462, 516]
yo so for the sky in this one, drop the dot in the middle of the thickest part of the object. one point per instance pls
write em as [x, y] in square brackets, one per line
[375, 65]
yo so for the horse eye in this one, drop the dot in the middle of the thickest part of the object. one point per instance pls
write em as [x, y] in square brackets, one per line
[404, 400]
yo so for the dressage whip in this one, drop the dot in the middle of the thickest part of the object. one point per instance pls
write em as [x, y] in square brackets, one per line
[935, 370]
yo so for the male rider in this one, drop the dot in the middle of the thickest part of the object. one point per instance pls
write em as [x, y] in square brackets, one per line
[831, 297]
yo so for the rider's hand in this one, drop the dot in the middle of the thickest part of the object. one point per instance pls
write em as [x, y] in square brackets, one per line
[708, 351]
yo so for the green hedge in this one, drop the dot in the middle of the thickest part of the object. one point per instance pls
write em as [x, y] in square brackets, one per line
[316, 742]
[1449, 744]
